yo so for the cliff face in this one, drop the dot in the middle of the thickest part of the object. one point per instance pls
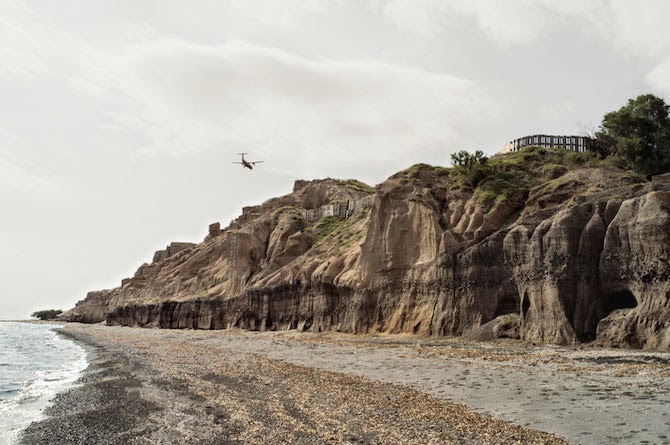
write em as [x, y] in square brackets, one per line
[583, 257]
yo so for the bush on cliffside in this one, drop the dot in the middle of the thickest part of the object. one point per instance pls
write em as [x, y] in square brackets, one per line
[471, 167]
[637, 136]
[48, 314]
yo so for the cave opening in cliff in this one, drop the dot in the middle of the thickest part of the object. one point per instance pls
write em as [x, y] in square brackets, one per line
[508, 304]
[608, 303]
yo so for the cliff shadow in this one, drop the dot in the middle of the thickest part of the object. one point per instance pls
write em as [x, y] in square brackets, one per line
[525, 306]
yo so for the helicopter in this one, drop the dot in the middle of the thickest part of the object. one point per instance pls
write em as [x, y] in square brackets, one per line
[247, 164]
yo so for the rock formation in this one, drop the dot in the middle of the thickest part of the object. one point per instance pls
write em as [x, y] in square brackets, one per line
[583, 256]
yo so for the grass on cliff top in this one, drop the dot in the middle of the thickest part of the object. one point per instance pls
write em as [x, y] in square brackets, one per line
[507, 175]
[413, 173]
[356, 185]
[286, 209]
[294, 214]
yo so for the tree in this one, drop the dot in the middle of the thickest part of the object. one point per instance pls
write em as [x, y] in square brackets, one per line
[638, 135]
[48, 314]
[471, 166]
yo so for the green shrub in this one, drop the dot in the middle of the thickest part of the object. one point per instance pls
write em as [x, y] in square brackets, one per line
[637, 135]
[471, 167]
[48, 314]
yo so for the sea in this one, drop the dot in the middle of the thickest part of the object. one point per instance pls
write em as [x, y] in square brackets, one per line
[35, 364]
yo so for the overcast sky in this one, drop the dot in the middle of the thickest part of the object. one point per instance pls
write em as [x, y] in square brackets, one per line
[119, 120]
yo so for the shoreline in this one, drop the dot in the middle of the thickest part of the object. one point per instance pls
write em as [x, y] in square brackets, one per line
[102, 405]
[161, 386]
[36, 364]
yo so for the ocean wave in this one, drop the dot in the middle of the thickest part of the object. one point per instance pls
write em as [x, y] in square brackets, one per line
[8, 393]
[48, 364]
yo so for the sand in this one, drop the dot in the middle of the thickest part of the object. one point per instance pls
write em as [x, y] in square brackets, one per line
[240, 387]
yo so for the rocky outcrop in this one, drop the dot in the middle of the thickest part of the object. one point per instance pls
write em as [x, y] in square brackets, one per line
[172, 249]
[94, 308]
[582, 257]
[591, 260]
[503, 326]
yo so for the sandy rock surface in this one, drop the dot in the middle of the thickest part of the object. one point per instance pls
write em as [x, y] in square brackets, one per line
[582, 257]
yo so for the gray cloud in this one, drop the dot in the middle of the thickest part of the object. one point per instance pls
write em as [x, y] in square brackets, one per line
[119, 120]
[193, 97]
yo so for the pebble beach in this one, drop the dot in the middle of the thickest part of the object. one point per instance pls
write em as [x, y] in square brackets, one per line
[237, 387]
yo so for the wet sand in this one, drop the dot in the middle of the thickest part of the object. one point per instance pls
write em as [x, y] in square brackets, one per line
[235, 387]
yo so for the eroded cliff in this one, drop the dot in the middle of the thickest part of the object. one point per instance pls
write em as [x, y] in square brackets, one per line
[575, 255]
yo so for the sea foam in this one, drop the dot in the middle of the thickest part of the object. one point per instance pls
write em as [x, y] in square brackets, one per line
[35, 364]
